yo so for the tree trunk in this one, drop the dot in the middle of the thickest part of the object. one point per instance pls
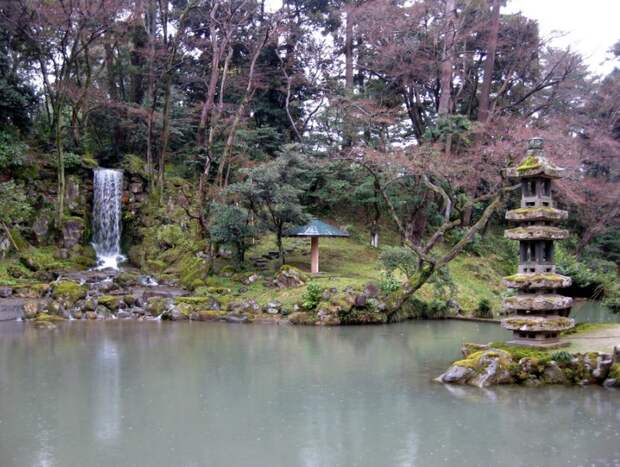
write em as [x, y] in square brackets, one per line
[61, 167]
[348, 50]
[165, 131]
[10, 237]
[445, 83]
[412, 285]
[489, 63]
[280, 246]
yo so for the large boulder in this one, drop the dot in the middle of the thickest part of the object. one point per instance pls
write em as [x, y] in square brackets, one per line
[289, 276]
[68, 291]
[613, 377]
[72, 231]
[481, 369]
[41, 227]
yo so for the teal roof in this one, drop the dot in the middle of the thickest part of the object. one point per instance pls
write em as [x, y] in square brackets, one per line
[316, 228]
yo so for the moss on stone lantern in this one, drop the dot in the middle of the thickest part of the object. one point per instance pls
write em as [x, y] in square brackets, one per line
[538, 313]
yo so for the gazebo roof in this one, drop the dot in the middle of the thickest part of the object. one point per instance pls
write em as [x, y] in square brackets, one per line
[316, 228]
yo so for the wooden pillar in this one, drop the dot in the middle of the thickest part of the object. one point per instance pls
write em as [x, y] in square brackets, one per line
[314, 255]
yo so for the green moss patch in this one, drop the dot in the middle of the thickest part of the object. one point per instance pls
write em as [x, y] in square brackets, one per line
[68, 290]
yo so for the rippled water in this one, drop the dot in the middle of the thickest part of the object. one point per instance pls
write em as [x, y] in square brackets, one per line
[593, 312]
[211, 394]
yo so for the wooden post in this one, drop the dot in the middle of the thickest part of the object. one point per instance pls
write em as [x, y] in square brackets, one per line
[314, 254]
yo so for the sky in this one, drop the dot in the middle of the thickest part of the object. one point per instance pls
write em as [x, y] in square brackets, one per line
[589, 27]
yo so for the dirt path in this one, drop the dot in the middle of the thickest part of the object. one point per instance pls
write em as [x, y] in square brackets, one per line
[596, 340]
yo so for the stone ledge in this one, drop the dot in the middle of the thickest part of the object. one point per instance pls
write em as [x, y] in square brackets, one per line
[536, 214]
[533, 302]
[537, 323]
[536, 232]
[537, 281]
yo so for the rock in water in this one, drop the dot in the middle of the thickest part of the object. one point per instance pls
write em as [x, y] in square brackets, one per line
[481, 369]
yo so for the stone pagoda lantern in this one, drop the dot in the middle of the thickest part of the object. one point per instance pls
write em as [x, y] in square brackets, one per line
[538, 312]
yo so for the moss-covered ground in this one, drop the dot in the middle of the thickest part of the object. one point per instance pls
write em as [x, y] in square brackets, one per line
[351, 262]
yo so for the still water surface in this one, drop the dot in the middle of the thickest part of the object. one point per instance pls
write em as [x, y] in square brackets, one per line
[214, 394]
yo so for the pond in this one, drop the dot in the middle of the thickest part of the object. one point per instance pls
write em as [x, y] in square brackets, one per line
[215, 394]
[593, 312]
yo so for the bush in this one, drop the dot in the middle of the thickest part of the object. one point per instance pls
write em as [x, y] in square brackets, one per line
[436, 309]
[484, 309]
[15, 204]
[312, 296]
[171, 235]
[397, 258]
[11, 151]
[388, 283]
[562, 356]
[72, 161]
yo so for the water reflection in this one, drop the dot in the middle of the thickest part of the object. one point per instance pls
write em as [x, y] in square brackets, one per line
[195, 394]
[593, 312]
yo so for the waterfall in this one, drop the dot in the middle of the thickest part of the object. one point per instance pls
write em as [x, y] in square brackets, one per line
[108, 191]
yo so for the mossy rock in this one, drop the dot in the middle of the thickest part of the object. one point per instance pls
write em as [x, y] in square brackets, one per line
[69, 290]
[157, 305]
[38, 259]
[111, 302]
[364, 317]
[89, 162]
[227, 271]
[155, 266]
[137, 255]
[31, 291]
[200, 302]
[134, 165]
[47, 317]
[127, 278]
[614, 372]
[302, 318]
[193, 272]
[290, 276]
[211, 290]
[210, 315]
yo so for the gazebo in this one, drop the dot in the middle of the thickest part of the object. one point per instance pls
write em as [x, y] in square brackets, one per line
[315, 229]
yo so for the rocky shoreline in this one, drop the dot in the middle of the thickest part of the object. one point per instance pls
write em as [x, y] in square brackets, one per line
[498, 363]
[129, 295]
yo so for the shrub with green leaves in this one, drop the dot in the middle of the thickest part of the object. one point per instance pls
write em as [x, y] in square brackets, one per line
[562, 356]
[388, 283]
[312, 296]
[12, 151]
[15, 204]
[484, 309]
[396, 258]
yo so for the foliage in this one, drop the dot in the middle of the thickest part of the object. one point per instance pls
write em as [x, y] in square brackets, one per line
[12, 151]
[231, 225]
[272, 192]
[396, 258]
[562, 356]
[16, 206]
[72, 161]
[443, 285]
[312, 296]
[456, 126]
[484, 309]
[388, 283]
[171, 235]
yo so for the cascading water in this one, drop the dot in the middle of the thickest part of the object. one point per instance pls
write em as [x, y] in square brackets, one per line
[108, 191]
